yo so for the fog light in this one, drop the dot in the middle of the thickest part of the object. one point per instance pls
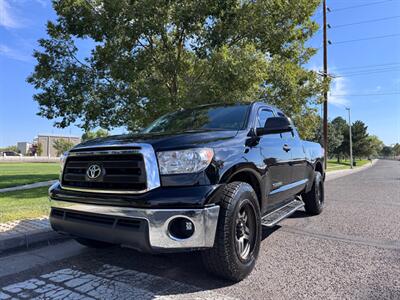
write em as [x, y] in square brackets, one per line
[181, 228]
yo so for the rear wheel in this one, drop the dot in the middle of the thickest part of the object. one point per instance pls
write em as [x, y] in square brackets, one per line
[314, 199]
[238, 236]
[93, 243]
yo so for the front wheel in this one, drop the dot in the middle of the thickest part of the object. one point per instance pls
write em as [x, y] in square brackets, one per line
[238, 236]
[314, 199]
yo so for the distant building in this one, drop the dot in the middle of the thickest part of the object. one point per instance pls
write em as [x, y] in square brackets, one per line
[24, 147]
[47, 143]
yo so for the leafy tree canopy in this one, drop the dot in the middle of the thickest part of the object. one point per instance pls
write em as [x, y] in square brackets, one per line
[359, 136]
[62, 145]
[374, 147]
[335, 138]
[89, 135]
[387, 151]
[151, 57]
[364, 145]
[396, 149]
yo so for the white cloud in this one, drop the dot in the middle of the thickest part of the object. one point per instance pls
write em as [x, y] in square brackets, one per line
[338, 92]
[7, 17]
[13, 54]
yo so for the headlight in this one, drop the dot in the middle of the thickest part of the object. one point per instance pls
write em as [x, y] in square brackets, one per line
[184, 161]
[63, 158]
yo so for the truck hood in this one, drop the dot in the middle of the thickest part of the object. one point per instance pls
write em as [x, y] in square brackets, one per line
[165, 141]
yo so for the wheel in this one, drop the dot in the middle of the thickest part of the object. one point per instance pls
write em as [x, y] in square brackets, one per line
[238, 235]
[93, 243]
[314, 199]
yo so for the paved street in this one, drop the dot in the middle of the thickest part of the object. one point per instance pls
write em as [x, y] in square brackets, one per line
[352, 251]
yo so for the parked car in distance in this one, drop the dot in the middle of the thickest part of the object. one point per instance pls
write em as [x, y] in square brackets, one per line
[206, 178]
[10, 153]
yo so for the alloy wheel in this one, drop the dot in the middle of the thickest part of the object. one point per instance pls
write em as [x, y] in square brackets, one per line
[245, 231]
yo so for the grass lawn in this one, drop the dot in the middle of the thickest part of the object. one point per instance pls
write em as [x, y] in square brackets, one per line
[333, 165]
[13, 174]
[27, 204]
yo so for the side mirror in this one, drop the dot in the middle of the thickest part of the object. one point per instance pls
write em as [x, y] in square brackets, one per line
[275, 125]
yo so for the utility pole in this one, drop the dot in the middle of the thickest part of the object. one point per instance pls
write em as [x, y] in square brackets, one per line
[351, 141]
[325, 118]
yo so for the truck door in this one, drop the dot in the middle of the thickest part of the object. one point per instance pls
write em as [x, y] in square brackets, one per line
[276, 160]
[298, 163]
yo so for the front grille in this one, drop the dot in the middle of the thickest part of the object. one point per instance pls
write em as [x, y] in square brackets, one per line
[119, 172]
[100, 220]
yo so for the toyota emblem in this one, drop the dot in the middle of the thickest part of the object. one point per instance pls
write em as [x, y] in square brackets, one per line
[93, 172]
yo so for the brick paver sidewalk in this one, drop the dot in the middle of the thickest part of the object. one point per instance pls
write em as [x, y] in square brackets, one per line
[23, 226]
[24, 233]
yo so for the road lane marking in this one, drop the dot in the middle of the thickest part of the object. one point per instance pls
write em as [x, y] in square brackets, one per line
[109, 282]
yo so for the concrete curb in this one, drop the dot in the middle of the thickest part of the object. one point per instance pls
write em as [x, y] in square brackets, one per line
[29, 234]
[28, 240]
[341, 173]
[28, 186]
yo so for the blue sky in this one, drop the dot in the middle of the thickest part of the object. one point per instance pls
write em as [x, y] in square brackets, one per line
[373, 97]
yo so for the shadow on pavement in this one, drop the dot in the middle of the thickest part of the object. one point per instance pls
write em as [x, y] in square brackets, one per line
[185, 267]
[300, 214]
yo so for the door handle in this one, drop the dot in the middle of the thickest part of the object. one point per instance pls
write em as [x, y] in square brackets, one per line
[286, 147]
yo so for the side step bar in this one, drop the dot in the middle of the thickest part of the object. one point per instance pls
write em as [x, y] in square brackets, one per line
[278, 215]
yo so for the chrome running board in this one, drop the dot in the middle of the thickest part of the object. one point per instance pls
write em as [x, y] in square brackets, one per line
[278, 215]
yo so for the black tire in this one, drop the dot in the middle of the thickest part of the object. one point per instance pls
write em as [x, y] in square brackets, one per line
[239, 221]
[93, 243]
[315, 198]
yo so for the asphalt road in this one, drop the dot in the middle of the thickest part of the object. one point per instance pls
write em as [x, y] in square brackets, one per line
[350, 251]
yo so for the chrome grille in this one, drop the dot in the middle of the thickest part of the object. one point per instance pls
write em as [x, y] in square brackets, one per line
[130, 170]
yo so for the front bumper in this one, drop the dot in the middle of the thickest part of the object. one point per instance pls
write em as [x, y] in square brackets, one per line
[142, 229]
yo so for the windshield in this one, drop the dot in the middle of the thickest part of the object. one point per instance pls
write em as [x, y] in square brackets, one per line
[201, 118]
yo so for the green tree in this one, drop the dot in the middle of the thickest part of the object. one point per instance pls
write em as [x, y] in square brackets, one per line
[359, 136]
[396, 149]
[62, 145]
[152, 57]
[335, 138]
[342, 128]
[387, 151]
[39, 149]
[375, 146]
[89, 135]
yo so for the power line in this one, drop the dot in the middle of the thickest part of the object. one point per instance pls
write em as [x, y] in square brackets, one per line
[367, 73]
[362, 72]
[364, 22]
[367, 94]
[368, 66]
[370, 70]
[360, 5]
[365, 39]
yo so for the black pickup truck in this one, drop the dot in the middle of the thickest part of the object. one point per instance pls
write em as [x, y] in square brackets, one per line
[205, 178]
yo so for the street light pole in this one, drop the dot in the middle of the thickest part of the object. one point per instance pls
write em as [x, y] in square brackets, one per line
[350, 139]
[325, 118]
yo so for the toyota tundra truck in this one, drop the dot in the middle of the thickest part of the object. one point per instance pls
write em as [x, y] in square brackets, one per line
[205, 178]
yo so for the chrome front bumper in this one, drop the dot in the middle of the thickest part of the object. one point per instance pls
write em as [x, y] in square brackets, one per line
[204, 220]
